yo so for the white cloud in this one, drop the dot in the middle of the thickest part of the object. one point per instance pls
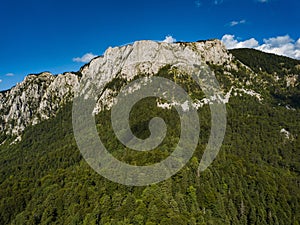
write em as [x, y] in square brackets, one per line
[0, 81]
[263, 1]
[234, 23]
[281, 45]
[278, 41]
[169, 39]
[85, 58]
[298, 43]
[9, 74]
[230, 42]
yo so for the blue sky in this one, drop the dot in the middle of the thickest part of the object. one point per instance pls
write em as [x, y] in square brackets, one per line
[54, 35]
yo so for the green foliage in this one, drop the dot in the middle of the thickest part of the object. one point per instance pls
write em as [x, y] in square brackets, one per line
[270, 63]
[254, 179]
[268, 66]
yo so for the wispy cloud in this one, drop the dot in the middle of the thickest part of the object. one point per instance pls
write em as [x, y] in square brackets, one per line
[85, 58]
[9, 74]
[0, 81]
[218, 2]
[198, 3]
[235, 23]
[280, 45]
[263, 1]
[169, 39]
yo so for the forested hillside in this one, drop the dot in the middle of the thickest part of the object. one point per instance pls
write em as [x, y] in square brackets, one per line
[254, 180]
[282, 74]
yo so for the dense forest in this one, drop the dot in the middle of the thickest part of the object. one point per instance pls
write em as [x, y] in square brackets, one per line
[254, 179]
[270, 63]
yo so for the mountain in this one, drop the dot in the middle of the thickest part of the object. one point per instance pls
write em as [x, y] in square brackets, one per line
[39, 96]
[254, 179]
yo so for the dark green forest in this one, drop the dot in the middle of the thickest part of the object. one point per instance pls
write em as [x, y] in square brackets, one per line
[267, 62]
[254, 179]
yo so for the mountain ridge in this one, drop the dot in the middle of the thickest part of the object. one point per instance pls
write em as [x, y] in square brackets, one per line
[253, 180]
[39, 96]
[41, 84]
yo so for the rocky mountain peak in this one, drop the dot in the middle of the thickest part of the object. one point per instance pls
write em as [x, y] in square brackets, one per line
[40, 96]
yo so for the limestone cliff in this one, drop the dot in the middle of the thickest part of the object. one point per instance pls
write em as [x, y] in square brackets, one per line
[40, 96]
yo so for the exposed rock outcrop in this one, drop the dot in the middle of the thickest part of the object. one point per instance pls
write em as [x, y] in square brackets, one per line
[39, 97]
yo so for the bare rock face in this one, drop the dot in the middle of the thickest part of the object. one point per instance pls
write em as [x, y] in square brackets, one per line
[39, 97]
[291, 80]
[148, 57]
[58, 93]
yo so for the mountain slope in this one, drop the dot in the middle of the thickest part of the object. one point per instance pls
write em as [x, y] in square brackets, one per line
[270, 63]
[254, 180]
[280, 73]
[39, 96]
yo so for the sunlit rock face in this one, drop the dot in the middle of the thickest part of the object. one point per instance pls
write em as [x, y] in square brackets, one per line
[39, 97]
